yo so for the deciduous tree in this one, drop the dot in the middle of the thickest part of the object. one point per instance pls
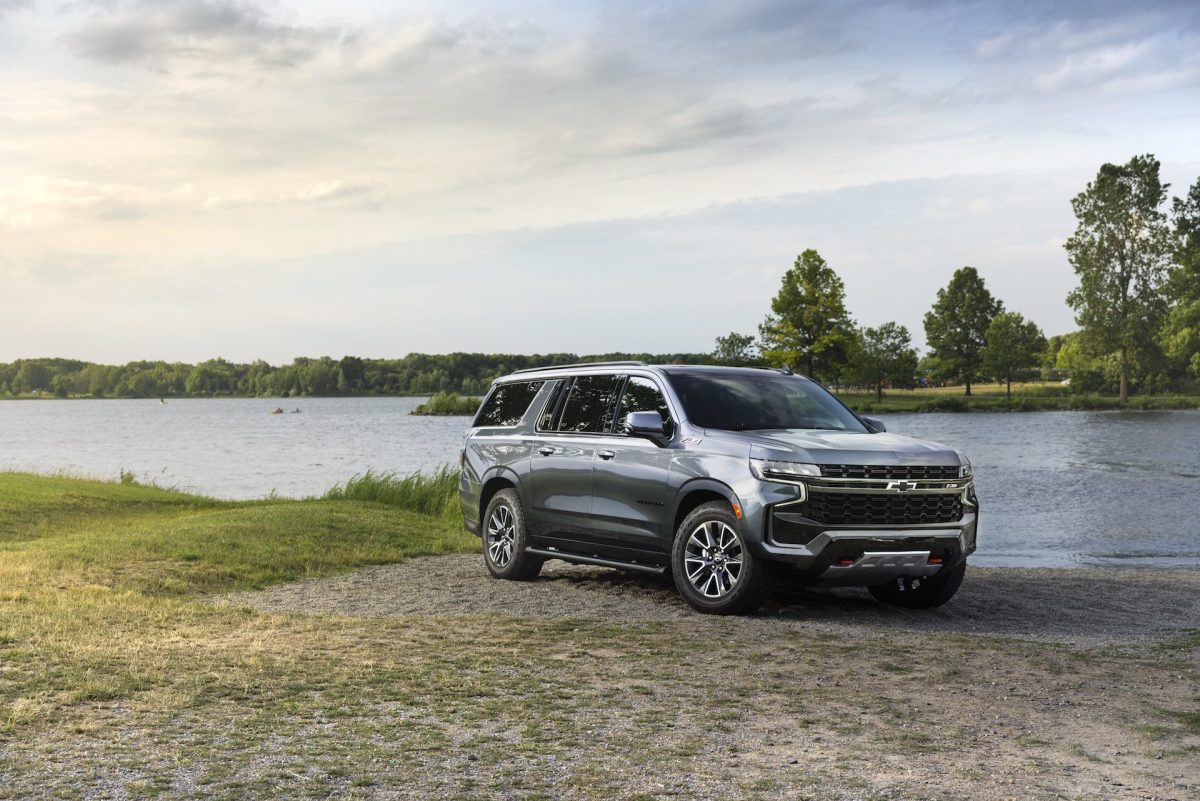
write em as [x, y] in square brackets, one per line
[956, 326]
[735, 349]
[1012, 343]
[1120, 251]
[886, 354]
[808, 326]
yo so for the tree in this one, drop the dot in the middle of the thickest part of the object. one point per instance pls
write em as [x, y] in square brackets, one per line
[1119, 251]
[1183, 284]
[956, 327]
[1180, 336]
[736, 349]
[1012, 343]
[886, 353]
[809, 324]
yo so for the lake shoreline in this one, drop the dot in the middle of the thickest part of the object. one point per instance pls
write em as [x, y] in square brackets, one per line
[858, 402]
[1037, 474]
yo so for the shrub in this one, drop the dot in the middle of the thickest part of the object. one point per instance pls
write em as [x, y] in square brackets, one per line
[949, 404]
[448, 403]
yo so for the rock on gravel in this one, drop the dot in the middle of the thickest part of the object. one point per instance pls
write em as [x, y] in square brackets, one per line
[1084, 607]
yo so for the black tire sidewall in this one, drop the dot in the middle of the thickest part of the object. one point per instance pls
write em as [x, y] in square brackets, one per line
[522, 566]
[749, 593]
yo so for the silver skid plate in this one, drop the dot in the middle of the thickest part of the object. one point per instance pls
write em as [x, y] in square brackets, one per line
[876, 567]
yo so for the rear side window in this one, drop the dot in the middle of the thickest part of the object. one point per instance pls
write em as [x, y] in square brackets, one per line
[589, 407]
[507, 404]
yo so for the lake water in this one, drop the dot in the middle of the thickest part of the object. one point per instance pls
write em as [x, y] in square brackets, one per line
[1056, 488]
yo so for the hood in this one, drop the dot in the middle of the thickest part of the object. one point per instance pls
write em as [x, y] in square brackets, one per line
[841, 447]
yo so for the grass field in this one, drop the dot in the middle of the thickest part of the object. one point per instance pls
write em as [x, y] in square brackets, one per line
[118, 679]
[1030, 397]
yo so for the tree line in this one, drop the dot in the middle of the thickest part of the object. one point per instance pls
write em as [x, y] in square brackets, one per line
[1137, 306]
[414, 374]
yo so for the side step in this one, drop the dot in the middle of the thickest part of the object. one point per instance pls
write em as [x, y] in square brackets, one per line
[599, 561]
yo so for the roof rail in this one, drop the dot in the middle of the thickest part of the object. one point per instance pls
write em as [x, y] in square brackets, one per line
[579, 364]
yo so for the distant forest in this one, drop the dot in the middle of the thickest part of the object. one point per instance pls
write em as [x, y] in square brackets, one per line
[415, 374]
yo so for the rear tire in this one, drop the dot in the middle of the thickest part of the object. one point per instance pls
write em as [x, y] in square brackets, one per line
[713, 570]
[922, 593]
[504, 539]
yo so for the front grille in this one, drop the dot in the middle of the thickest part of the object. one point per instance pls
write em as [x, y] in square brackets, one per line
[843, 508]
[912, 471]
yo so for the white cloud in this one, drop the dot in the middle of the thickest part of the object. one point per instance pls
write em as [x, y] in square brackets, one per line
[1094, 66]
[188, 135]
[42, 201]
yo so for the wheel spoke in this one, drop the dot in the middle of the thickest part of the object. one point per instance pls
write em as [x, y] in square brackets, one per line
[501, 536]
[719, 577]
[713, 558]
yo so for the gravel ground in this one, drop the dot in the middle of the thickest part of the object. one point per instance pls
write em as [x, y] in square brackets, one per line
[1081, 607]
[601, 685]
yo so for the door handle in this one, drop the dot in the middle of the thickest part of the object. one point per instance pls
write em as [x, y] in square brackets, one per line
[606, 454]
[545, 450]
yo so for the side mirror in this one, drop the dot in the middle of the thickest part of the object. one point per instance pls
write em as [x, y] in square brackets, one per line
[646, 424]
[874, 425]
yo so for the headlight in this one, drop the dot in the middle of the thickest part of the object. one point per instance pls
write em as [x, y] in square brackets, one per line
[771, 470]
[964, 470]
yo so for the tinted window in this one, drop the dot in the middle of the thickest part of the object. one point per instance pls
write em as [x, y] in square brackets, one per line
[641, 395]
[742, 402]
[589, 406]
[507, 404]
[546, 421]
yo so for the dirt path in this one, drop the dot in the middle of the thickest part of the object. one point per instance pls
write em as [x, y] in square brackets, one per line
[1086, 608]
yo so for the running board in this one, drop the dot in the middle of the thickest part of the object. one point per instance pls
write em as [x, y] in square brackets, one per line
[599, 561]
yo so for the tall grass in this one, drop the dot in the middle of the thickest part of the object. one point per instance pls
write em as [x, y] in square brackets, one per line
[431, 494]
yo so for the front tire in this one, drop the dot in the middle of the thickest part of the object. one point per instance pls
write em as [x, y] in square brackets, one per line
[504, 539]
[713, 570]
[922, 593]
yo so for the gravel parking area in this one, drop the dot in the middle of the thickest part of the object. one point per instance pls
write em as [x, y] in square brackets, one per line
[1080, 607]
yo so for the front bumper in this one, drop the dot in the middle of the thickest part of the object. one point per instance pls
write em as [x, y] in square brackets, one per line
[820, 553]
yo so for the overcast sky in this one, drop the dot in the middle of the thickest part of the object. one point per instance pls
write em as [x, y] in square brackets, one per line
[266, 180]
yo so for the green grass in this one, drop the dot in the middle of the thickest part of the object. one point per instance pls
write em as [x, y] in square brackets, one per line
[98, 579]
[115, 668]
[447, 404]
[1029, 398]
[435, 494]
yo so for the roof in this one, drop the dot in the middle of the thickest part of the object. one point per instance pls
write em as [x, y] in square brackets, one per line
[669, 369]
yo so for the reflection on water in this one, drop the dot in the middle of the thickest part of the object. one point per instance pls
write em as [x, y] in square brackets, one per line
[1057, 488]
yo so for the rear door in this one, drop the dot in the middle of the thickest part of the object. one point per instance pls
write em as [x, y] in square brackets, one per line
[564, 448]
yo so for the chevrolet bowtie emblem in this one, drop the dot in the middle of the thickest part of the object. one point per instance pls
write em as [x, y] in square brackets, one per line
[902, 486]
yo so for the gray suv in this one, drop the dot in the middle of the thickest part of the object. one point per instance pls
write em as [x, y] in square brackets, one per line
[725, 479]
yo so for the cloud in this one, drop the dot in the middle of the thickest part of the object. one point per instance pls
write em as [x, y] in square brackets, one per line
[162, 34]
[336, 192]
[43, 201]
[1095, 65]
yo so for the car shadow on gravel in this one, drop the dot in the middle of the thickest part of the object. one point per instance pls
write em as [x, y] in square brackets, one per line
[1082, 606]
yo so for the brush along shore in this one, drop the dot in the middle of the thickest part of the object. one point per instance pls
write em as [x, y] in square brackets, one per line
[156, 644]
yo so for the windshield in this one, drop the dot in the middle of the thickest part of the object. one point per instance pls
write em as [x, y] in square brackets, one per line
[751, 401]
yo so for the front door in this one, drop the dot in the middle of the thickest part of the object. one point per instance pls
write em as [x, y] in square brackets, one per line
[631, 476]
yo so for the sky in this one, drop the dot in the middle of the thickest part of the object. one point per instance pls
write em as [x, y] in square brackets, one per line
[189, 180]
